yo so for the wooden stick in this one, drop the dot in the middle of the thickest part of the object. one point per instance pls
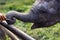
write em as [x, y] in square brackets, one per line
[17, 32]
[9, 33]
[2, 34]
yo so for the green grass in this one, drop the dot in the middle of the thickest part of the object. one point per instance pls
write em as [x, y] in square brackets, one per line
[50, 33]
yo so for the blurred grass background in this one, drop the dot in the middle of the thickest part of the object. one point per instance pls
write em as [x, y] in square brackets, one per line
[50, 33]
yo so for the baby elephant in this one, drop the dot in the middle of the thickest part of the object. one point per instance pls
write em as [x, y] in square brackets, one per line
[44, 13]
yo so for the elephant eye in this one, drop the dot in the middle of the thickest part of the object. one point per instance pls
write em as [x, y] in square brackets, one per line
[42, 11]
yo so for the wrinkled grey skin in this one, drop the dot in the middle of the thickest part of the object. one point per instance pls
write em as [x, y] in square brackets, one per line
[44, 13]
